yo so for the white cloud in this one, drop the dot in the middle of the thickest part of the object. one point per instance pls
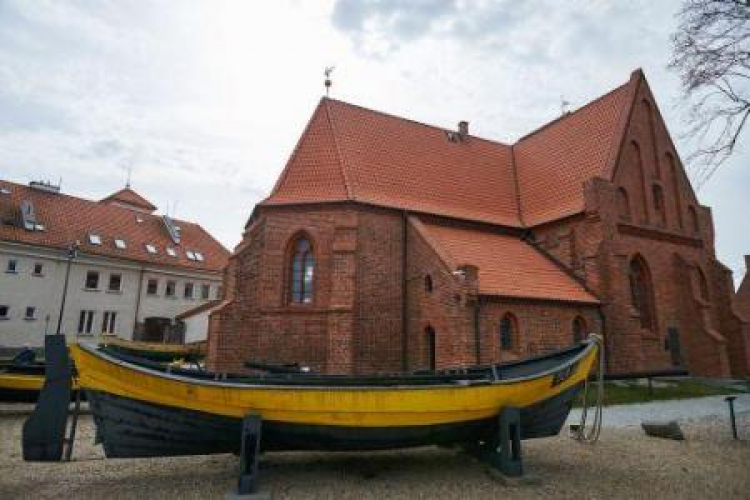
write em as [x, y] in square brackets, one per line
[205, 100]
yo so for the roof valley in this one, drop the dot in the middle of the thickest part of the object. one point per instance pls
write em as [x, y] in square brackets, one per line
[344, 176]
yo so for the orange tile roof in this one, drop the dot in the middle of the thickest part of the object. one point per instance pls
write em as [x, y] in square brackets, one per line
[508, 266]
[349, 153]
[67, 219]
[555, 161]
[352, 153]
[130, 197]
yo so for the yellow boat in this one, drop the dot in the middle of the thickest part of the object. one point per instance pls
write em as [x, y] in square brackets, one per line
[22, 382]
[146, 409]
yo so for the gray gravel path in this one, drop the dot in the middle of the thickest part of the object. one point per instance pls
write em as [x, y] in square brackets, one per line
[623, 464]
[685, 410]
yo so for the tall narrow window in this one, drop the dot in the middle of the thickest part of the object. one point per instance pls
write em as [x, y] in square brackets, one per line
[85, 322]
[508, 332]
[659, 208]
[623, 204]
[303, 266]
[673, 173]
[641, 292]
[579, 330]
[638, 154]
[431, 353]
[652, 130]
[109, 321]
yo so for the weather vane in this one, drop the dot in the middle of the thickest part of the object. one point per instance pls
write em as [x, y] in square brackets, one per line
[328, 82]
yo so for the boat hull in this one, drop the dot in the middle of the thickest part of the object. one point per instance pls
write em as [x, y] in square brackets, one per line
[133, 428]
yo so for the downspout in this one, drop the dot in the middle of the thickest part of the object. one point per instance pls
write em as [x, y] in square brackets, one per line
[404, 295]
[138, 302]
[477, 337]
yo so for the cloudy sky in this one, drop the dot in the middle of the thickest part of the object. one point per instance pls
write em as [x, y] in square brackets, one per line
[204, 100]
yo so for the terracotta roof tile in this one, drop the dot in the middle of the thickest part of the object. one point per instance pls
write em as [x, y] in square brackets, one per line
[67, 219]
[554, 162]
[129, 197]
[352, 153]
[508, 266]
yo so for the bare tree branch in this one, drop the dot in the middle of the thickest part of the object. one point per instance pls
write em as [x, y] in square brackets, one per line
[711, 53]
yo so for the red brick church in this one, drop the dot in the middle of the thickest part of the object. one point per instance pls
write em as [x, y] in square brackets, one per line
[388, 245]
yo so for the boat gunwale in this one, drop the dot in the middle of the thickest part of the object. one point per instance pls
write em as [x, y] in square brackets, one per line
[584, 352]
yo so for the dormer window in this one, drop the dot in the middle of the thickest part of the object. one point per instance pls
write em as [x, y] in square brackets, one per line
[190, 255]
[150, 248]
[199, 256]
[171, 252]
[119, 243]
[95, 239]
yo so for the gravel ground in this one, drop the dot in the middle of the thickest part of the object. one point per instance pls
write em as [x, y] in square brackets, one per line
[624, 464]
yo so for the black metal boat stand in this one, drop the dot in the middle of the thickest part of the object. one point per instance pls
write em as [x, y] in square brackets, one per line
[249, 454]
[44, 431]
[503, 450]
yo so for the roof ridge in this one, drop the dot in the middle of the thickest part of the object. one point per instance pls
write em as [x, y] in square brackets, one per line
[568, 115]
[410, 120]
[340, 156]
[516, 185]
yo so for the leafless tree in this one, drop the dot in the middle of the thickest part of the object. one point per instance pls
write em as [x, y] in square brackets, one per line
[711, 53]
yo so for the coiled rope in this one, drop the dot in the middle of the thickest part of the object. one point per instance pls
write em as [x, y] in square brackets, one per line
[581, 433]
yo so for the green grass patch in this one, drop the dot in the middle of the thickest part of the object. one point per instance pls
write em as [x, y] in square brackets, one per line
[635, 391]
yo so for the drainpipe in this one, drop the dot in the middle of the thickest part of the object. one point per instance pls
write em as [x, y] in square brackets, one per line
[404, 296]
[477, 337]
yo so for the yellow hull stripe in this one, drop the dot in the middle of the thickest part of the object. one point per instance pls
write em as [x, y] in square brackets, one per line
[362, 407]
[21, 382]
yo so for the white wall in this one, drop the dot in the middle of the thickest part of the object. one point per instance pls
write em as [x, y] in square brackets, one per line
[196, 327]
[22, 289]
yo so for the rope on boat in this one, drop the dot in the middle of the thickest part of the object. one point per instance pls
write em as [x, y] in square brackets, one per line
[581, 433]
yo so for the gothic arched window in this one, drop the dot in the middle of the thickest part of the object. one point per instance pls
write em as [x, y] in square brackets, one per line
[508, 332]
[659, 208]
[641, 292]
[579, 329]
[302, 271]
[623, 204]
[702, 284]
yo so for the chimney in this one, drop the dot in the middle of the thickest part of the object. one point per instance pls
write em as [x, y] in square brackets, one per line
[463, 130]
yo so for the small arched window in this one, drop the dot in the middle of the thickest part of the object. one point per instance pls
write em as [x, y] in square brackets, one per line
[302, 271]
[694, 219]
[623, 204]
[673, 174]
[661, 211]
[428, 284]
[508, 332]
[641, 292]
[702, 284]
[579, 330]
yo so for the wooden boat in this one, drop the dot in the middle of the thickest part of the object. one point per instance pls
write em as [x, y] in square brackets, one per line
[154, 351]
[143, 409]
[22, 382]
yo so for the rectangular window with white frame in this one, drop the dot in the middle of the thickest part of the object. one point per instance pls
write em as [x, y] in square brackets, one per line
[12, 266]
[92, 280]
[38, 269]
[86, 322]
[4, 311]
[171, 289]
[152, 286]
[205, 291]
[115, 283]
[109, 322]
[30, 313]
[189, 290]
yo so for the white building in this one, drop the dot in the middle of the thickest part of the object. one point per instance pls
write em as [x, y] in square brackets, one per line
[133, 271]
